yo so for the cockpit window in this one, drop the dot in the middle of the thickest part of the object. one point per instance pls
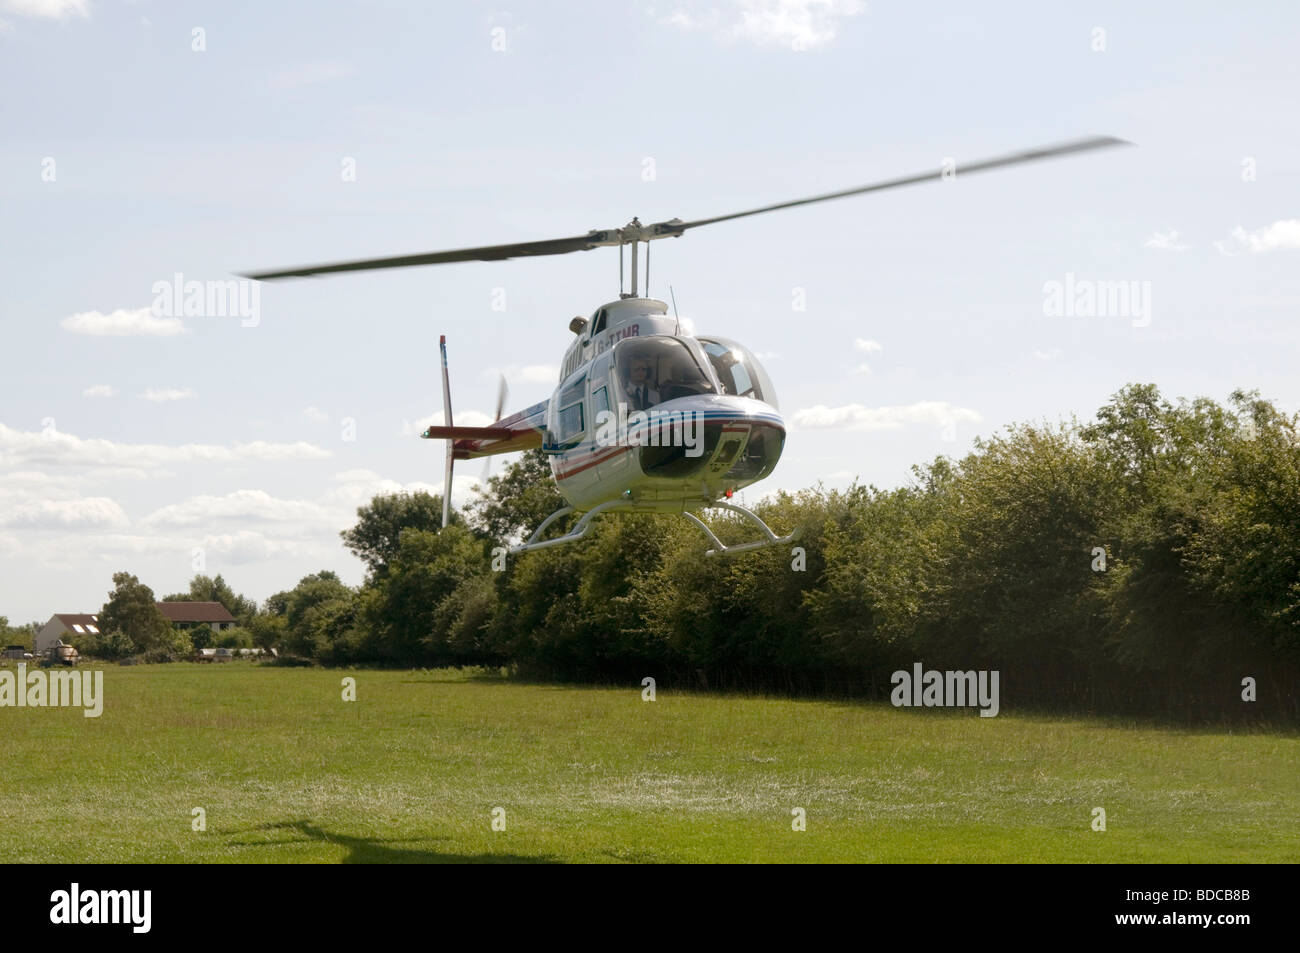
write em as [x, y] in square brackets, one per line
[738, 370]
[654, 369]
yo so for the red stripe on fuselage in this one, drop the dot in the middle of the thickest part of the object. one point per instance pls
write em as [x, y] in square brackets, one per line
[591, 462]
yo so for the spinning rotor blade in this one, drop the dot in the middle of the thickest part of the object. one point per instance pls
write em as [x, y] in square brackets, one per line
[502, 390]
[554, 246]
[960, 169]
[634, 231]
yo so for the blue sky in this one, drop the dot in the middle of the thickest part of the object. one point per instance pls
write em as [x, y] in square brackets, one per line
[131, 441]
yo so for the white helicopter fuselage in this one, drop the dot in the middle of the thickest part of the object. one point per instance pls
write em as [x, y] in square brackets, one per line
[704, 425]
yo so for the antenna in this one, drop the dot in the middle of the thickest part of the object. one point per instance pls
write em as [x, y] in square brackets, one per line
[677, 330]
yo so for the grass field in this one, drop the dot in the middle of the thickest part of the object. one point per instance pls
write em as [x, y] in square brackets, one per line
[287, 771]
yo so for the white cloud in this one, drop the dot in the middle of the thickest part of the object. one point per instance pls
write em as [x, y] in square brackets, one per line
[797, 24]
[94, 512]
[460, 418]
[243, 546]
[315, 415]
[163, 394]
[122, 322]
[247, 546]
[866, 346]
[1166, 241]
[1282, 234]
[47, 9]
[43, 483]
[529, 373]
[540, 373]
[351, 495]
[61, 449]
[357, 476]
[1050, 354]
[322, 517]
[354, 494]
[99, 390]
[241, 504]
[858, 417]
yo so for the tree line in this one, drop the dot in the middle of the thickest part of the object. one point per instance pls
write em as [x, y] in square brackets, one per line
[1147, 560]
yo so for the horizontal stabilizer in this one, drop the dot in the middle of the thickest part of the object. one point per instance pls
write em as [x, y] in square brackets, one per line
[524, 430]
[468, 433]
[471, 442]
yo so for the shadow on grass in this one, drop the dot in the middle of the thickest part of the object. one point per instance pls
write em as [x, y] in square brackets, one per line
[367, 850]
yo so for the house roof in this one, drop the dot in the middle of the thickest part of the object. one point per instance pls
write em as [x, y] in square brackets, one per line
[195, 612]
[81, 623]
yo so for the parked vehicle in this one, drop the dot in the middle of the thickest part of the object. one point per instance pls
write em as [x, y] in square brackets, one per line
[60, 654]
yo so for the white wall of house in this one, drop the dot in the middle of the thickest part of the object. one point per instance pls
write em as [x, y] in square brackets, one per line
[50, 633]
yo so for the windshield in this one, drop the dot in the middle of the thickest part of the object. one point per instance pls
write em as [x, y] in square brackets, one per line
[654, 369]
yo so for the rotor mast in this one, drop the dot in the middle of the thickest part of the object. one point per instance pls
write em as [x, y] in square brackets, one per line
[633, 233]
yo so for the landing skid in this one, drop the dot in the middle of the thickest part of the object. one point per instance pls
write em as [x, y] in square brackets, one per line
[624, 506]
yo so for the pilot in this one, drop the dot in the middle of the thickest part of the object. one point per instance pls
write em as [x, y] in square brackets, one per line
[641, 392]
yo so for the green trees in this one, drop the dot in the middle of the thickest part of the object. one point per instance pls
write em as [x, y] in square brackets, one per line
[318, 618]
[432, 599]
[1150, 556]
[23, 635]
[1243, 551]
[376, 537]
[518, 499]
[132, 612]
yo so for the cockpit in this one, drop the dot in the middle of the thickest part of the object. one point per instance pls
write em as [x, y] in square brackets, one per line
[654, 369]
[738, 370]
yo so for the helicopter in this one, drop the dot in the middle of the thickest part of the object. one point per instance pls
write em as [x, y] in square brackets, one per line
[647, 416]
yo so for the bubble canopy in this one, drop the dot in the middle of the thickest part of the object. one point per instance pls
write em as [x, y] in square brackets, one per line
[738, 370]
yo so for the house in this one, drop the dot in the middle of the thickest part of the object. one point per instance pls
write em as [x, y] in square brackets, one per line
[187, 615]
[70, 627]
[61, 624]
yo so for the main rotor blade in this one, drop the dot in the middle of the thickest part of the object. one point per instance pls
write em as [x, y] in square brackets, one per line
[553, 246]
[960, 169]
[635, 231]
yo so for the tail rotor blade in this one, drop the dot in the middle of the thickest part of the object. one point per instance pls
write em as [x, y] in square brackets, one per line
[502, 390]
[451, 444]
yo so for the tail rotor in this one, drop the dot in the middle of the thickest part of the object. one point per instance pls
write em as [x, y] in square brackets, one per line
[446, 417]
[502, 391]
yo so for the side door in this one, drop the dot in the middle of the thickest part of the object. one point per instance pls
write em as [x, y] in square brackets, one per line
[611, 451]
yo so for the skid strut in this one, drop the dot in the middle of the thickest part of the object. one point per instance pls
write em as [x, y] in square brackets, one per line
[624, 506]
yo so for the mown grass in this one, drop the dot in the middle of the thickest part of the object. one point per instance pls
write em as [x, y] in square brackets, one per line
[288, 772]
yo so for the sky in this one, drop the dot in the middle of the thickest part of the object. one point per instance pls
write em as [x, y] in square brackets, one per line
[143, 141]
